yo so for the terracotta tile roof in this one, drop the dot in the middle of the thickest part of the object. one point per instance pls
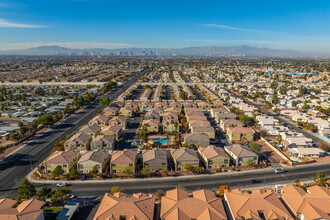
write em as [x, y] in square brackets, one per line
[232, 122]
[140, 207]
[313, 204]
[196, 136]
[160, 154]
[241, 130]
[113, 128]
[199, 129]
[80, 138]
[89, 129]
[204, 205]
[96, 156]
[62, 157]
[150, 122]
[240, 151]
[248, 206]
[123, 156]
[104, 139]
[27, 210]
[100, 118]
[184, 154]
[212, 151]
[199, 123]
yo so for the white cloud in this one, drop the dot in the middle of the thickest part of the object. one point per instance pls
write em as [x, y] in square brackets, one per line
[8, 24]
[72, 45]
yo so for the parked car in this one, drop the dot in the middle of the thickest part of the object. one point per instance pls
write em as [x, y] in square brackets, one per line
[62, 184]
[279, 170]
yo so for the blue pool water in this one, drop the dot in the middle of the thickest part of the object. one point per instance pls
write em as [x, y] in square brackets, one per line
[161, 140]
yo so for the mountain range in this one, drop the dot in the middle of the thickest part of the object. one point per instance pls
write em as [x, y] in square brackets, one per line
[211, 51]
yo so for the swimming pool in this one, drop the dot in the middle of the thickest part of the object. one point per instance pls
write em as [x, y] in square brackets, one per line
[161, 140]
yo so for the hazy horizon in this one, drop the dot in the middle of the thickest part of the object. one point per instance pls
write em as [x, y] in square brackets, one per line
[283, 25]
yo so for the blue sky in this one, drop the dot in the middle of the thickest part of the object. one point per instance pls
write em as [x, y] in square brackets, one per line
[296, 25]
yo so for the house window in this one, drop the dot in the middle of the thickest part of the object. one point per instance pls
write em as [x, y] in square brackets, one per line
[226, 161]
[146, 164]
[64, 165]
[130, 165]
[113, 165]
[163, 164]
[122, 217]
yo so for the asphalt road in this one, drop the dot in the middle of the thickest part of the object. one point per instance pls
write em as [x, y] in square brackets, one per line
[191, 183]
[16, 166]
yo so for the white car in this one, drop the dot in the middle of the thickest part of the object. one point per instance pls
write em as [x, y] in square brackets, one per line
[279, 170]
[70, 196]
[62, 184]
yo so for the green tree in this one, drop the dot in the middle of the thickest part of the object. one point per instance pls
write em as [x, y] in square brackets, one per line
[116, 189]
[255, 147]
[187, 167]
[44, 193]
[165, 172]
[320, 179]
[250, 162]
[105, 101]
[144, 133]
[128, 171]
[199, 169]
[26, 190]
[94, 171]
[57, 171]
[245, 119]
[279, 139]
[73, 172]
[59, 197]
[183, 95]
[159, 194]
[45, 120]
[146, 171]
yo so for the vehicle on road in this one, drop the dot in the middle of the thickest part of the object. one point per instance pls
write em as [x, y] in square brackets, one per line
[279, 170]
[255, 181]
[62, 184]
[70, 196]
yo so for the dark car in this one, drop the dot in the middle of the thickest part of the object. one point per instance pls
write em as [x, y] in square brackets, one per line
[255, 181]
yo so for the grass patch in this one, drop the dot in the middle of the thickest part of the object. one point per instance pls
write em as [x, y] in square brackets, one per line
[53, 209]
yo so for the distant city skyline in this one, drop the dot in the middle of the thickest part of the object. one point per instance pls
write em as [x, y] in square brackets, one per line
[287, 25]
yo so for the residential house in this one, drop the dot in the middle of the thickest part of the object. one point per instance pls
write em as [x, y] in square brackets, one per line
[255, 204]
[65, 159]
[99, 120]
[120, 160]
[266, 120]
[27, 210]
[240, 134]
[209, 130]
[184, 156]
[226, 123]
[307, 205]
[224, 116]
[240, 155]
[155, 159]
[126, 111]
[88, 160]
[302, 152]
[104, 142]
[152, 125]
[121, 121]
[79, 141]
[110, 111]
[197, 140]
[203, 204]
[112, 130]
[90, 130]
[119, 206]
[213, 157]
[152, 115]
